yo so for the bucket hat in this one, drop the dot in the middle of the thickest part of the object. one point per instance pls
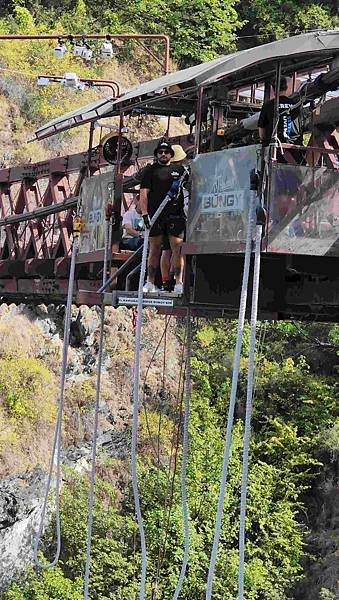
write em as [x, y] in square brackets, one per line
[179, 153]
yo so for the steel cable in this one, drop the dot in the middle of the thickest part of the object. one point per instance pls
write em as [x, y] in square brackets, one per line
[235, 376]
[136, 385]
[185, 449]
[249, 406]
[96, 421]
[56, 452]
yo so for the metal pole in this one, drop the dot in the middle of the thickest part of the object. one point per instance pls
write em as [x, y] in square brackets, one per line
[90, 147]
[276, 109]
[91, 82]
[167, 53]
[119, 149]
[198, 121]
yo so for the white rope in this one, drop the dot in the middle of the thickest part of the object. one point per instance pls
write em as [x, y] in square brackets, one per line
[56, 452]
[185, 447]
[96, 421]
[235, 376]
[249, 405]
[136, 385]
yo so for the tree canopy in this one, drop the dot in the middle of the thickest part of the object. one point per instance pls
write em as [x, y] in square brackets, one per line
[199, 30]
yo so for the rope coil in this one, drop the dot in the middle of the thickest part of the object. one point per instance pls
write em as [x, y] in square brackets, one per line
[136, 384]
[96, 421]
[249, 406]
[231, 409]
[184, 461]
[56, 451]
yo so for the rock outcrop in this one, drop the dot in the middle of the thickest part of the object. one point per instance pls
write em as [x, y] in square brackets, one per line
[21, 500]
[37, 332]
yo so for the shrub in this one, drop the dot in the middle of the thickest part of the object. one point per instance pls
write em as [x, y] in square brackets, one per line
[27, 388]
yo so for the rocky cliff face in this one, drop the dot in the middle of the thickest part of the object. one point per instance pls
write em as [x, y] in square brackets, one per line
[21, 500]
[322, 542]
[35, 334]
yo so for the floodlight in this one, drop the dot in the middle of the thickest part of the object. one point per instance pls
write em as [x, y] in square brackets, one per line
[43, 81]
[70, 80]
[87, 53]
[78, 49]
[60, 50]
[106, 50]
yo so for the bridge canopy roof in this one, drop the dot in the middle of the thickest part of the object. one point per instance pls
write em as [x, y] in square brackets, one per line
[297, 53]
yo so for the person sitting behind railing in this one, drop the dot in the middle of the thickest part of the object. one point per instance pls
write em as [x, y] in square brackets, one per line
[133, 228]
[288, 128]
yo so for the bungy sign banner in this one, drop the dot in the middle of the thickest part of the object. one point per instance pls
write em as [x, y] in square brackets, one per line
[95, 193]
[221, 194]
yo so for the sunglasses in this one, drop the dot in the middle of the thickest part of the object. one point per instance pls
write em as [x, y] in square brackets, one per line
[164, 152]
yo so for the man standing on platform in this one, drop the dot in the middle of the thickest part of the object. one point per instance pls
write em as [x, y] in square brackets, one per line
[155, 184]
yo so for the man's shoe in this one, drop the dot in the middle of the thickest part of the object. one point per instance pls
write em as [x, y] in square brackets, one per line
[166, 286]
[179, 289]
[150, 288]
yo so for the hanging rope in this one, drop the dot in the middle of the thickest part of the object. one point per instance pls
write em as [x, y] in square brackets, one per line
[55, 462]
[184, 462]
[96, 419]
[235, 376]
[174, 191]
[249, 405]
[172, 467]
[155, 450]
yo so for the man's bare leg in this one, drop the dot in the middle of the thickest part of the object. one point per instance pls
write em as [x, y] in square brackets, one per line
[165, 264]
[154, 257]
[177, 258]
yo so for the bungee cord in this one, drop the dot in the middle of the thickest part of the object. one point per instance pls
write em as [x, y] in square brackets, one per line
[173, 461]
[235, 377]
[56, 452]
[249, 406]
[155, 450]
[175, 189]
[184, 460]
[55, 462]
[96, 419]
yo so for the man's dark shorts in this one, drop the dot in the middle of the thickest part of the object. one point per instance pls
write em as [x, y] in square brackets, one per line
[171, 226]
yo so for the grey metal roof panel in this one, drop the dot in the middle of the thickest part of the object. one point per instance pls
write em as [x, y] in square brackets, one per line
[81, 115]
[322, 43]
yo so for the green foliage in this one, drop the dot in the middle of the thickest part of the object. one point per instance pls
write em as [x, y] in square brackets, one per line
[276, 19]
[329, 440]
[196, 35]
[27, 388]
[293, 418]
[113, 568]
[49, 585]
[326, 594]
[334, 335]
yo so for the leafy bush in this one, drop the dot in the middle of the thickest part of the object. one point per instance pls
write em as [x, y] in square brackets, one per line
[27, 389]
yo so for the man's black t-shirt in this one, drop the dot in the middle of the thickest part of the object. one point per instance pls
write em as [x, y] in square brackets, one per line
[158, 179]
[289, 127]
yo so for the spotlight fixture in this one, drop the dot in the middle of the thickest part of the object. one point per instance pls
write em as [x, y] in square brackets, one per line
[61, 49]
[78, 49]
[70, 80]
[43, 81]
[107, 48]
[87, 53]
[83, 50]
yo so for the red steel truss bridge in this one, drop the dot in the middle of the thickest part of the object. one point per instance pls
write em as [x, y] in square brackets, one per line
[38, 202]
